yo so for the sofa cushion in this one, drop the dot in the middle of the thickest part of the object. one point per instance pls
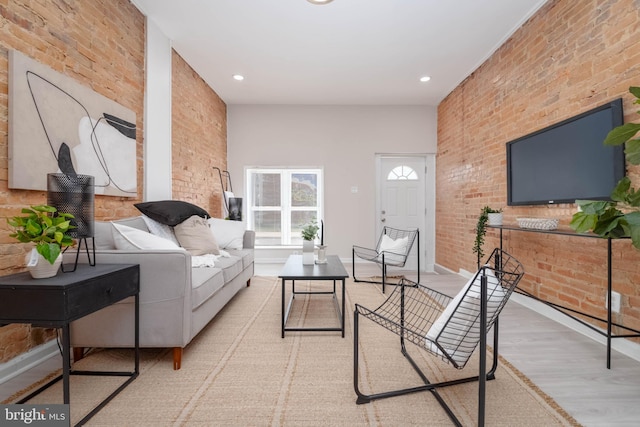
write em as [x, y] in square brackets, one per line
[229, 234]
[170, 212]
[127, 238]
[103, 231]
[195, 236]
[205, 282]
[231, 266]
[161, 230]
[247, 256]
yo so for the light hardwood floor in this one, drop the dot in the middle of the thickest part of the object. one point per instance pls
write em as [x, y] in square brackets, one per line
[568, 366]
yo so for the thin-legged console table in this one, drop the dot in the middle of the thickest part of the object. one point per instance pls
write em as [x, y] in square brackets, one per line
[59, 300]
[567, 311]
[294, 270]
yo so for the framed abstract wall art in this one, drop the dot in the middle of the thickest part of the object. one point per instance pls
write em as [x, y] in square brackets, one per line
[57, 125]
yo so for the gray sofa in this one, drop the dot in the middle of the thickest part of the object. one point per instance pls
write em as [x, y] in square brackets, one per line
[176, 299]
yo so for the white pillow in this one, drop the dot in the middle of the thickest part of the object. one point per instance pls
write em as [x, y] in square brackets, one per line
[392, 248]
[466, 306]
[195, 236]
[228, 234]
[161, 230]
[128, 238]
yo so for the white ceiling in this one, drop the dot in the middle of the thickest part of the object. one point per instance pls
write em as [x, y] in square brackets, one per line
[348, 52]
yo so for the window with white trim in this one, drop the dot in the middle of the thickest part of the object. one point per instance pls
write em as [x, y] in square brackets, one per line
[280, 202]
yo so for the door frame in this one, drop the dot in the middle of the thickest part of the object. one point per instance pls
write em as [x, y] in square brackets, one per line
[427, 235]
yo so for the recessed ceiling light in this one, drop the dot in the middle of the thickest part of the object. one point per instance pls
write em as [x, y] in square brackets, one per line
[425, 79]
[319, 1]
[238, 77]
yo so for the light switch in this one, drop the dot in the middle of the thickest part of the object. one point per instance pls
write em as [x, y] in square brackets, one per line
[354, 189]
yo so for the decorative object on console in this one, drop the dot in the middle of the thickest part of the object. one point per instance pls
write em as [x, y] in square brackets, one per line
[538, 223]
[605, 218]
[309, 233]
[322, 249]
[74, 194]
[50, 233]
[481, 229]
[170, 212]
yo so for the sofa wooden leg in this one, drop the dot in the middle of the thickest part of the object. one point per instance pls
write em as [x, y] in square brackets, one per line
[248, 283]
[78, 353]
[177, 358]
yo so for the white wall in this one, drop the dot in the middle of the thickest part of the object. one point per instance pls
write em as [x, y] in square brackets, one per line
[157, 115]
[344, 141]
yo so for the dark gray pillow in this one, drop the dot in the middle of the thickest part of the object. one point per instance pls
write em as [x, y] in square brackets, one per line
[170, 212]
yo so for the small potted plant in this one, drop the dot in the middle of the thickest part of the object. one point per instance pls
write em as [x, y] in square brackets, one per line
[488, 216]
[309, 233]
[47, 228]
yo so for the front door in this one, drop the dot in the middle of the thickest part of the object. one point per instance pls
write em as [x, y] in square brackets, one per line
[402, 198]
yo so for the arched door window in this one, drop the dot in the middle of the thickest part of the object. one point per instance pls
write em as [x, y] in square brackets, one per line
[402, 172]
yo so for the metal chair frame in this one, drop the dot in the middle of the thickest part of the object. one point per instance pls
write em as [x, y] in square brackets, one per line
[411, 310]
[386, 258]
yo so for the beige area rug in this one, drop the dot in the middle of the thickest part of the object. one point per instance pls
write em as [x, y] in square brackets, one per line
[240, 372]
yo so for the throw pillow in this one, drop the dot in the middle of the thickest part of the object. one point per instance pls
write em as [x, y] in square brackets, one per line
[161, 230]
[170, 212]
[457, 319]
[394, 249]
[228, 234]
[129, 238]
[195, 236]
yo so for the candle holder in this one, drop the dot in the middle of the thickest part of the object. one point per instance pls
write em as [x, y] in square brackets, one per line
[322, 254]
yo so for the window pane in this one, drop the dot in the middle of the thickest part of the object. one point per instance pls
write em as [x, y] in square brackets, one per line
[304, 189]
[267, 228]
[298, 220]
[402, 172]
[265, 189]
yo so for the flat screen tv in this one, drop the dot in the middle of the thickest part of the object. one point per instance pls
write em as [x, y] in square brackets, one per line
[567, 161]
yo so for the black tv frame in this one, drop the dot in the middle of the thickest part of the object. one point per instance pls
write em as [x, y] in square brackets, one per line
[617, 168]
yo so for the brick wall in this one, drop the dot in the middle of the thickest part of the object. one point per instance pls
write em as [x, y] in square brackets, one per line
[100, 43]
[199, 134]
[571, 56]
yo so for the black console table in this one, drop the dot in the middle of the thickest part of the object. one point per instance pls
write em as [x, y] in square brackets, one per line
[59, 300]
[566, 310]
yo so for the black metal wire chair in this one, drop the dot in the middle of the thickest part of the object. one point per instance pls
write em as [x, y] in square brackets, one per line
[393, 249]
[449, 328]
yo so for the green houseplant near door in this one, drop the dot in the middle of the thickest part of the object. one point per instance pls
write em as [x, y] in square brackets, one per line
[619, 217]
[41, 225]
[481, 229]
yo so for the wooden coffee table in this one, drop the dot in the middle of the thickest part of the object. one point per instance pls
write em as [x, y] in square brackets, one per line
[294, 270]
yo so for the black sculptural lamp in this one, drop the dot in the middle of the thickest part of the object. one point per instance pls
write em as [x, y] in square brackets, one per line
[74, 193]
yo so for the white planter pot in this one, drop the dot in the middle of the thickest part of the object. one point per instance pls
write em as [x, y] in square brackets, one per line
[307, 252]
[494, 218]
[39, 267]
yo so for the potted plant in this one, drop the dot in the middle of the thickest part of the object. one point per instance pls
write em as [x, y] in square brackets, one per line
[309, 233]
[619, 217]
[485, 219]
[47, 228]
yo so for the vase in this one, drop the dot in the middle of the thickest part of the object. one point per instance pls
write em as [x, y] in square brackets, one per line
[39, 267]
[494, 218]
[307, 252]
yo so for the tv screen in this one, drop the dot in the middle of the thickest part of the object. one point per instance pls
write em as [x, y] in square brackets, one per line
[566, 161]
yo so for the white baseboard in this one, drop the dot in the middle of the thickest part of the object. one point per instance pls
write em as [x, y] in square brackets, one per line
[28, 360]
[624, 346]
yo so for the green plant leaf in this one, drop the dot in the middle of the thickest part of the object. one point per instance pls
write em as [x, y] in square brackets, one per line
[49, 251]
[622, 134]
[632, 151]
[582, 222]
[619, 193]
[635, 91]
